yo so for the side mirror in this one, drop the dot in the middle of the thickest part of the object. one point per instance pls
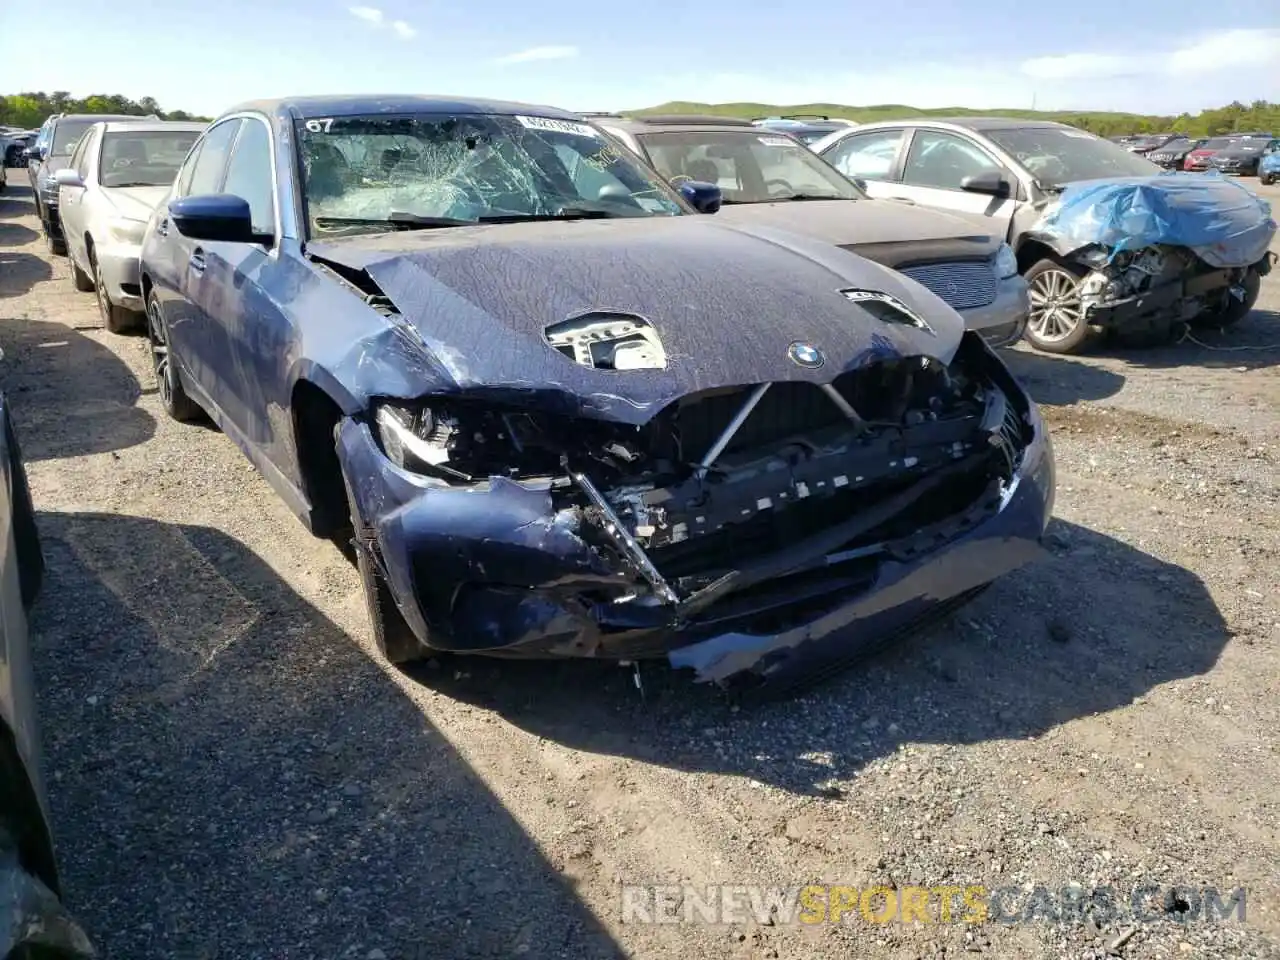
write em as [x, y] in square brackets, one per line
[989, 181]
[68, 178]
[859, 183]
[702, 196]
[30, 153]
[215, 216]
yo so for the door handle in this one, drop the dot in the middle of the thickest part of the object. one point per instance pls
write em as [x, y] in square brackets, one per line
[197, 261]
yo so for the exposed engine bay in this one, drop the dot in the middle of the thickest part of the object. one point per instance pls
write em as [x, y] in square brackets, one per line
[724, 480]
[1162, 283]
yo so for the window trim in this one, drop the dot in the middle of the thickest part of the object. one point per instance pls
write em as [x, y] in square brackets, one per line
[277, 223]
[894, 174]
[203, 141]
[938, 131]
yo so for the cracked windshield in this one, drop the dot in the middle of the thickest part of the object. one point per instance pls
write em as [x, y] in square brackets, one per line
[749, 167]
[376, 172]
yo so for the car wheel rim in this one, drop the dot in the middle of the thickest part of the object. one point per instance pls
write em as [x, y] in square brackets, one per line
[100, 287]
[159, 352]
[1056, 310]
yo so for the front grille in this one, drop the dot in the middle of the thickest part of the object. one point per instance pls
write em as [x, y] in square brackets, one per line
[963, 285]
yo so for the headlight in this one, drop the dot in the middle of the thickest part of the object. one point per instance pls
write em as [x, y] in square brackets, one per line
[413, 437]
[1006, 264]
[126, 231]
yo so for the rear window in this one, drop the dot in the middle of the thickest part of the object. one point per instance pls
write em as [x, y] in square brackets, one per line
[66, 134]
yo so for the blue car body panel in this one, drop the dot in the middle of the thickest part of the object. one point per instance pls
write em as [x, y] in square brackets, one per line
[491, 566]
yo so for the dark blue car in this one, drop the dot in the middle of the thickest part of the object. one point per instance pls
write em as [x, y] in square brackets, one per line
[559, 415]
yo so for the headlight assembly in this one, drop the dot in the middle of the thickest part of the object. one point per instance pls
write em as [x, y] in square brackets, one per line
[1005, 263]
[126, 231]
[414, 436]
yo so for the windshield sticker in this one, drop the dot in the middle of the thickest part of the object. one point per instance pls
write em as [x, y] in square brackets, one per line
[776, 141]
[558, 126]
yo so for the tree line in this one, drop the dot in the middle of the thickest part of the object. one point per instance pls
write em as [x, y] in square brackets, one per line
[29, 110]
[1260, 115]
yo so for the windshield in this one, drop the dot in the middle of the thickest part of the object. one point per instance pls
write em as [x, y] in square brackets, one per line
[66, 134]
[143, 159]
[1218, 143]
[378, 172]
[749, 166]
[1056, 156]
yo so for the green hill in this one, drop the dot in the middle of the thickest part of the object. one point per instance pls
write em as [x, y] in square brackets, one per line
[1260, 115]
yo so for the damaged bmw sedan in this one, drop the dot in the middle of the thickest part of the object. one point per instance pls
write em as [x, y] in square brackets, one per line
[559, 415]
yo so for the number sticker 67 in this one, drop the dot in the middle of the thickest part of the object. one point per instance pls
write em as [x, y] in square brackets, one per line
[320, 126]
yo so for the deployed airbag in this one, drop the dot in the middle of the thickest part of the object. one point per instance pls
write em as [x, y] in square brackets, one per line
[1221, 221]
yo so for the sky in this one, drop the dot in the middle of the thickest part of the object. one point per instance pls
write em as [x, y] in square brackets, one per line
[1147, 56]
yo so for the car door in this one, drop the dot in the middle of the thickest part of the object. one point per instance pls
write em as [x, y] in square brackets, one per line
[936, 163]
[872, 157]
[198, 289]
[72, 200]
[244, 325]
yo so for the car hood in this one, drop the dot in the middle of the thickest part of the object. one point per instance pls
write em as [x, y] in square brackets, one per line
[135, 203]
[887, 231]
[727, 301]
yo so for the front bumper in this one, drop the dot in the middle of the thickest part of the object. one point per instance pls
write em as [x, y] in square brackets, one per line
[119, 265]
[1002, 322]
[496, 569]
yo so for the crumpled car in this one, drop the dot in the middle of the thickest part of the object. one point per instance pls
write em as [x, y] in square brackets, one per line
[557, 414]
[1042, 185]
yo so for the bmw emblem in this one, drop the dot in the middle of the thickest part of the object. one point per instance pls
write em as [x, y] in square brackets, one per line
[806, 355]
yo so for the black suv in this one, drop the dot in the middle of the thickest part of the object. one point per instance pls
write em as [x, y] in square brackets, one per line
[52, 152]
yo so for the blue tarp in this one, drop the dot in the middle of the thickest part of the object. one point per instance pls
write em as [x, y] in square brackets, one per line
[1225, 224]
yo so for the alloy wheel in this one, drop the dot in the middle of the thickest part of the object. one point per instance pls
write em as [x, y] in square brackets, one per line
[1056, 310]
[159, 352]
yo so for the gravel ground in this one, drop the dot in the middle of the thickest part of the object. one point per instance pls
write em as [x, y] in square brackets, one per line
[233, 774]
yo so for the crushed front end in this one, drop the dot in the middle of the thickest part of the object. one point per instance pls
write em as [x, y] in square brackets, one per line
[741, 531]
[1159, 285]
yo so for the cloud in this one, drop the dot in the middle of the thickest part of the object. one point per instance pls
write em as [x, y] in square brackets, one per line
[374, 16]
[1215, 52]
[539, 53]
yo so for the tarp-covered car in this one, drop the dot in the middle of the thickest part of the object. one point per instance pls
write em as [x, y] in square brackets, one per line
[563, 416]
[1042, 185]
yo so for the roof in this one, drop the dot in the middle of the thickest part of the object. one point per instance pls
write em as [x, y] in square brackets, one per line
[391, 104]
[978, 124]
[686, 121]
[153, 126]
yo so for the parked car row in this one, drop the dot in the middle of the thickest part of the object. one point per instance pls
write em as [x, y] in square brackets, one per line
[632, 387]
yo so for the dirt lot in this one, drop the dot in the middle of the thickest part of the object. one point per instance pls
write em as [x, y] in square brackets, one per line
[234, 775]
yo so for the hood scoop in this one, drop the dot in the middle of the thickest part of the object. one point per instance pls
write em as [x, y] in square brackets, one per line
[886, 307]
[608, 341]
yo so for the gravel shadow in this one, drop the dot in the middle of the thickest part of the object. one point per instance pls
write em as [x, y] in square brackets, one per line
[16, 234]
[231, 776]
[1252, 344]
[1093, 626]
[1059, 380]
[19, 272]
[16, 201]
[99, 416]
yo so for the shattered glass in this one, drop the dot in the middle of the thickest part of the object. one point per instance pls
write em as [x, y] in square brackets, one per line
[372, 169]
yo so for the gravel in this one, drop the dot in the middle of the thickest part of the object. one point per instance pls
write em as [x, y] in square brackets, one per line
[233, 773]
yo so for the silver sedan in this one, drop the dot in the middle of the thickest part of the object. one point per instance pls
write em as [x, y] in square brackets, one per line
[118, 174]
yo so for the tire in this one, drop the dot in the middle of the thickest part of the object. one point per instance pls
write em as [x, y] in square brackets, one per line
[173, 397]
[115, 318]
[81, 280]
[1266, 179]
[392, 634]
[57, 246]
[1051, 328]
[1233, 311]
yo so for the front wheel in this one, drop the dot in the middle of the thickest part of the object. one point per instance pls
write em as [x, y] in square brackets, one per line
[392, 634]
[81, 280]
[115, 318]
[1266, 179]
[1233, 309]
[173, 397]
[1057, 322]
